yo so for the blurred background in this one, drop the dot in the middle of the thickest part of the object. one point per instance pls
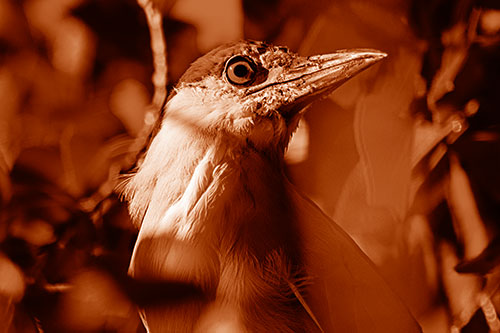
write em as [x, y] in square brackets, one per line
[405, 157]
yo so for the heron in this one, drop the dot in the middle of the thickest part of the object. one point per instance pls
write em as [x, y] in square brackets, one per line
[215, 209]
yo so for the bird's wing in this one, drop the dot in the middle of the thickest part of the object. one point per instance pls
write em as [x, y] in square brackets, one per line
[346, 292]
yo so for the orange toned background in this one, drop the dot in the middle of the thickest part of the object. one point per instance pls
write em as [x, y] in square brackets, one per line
[405, 157]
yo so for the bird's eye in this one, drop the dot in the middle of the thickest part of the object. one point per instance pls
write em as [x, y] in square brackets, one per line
[240, 70]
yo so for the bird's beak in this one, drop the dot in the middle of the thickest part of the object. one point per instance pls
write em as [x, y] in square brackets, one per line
[311, 77]
[328, 71]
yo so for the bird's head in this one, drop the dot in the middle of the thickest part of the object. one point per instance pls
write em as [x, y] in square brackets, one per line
[241, 96]
[256, 92]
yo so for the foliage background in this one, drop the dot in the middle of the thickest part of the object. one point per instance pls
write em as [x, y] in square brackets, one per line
[405, 157]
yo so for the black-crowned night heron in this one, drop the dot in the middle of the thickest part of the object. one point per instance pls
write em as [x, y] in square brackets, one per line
[216, 210]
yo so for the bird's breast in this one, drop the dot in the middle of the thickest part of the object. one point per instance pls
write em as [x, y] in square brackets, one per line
[231, 231]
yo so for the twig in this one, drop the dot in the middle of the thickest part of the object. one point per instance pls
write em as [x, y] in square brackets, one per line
[159, 79]
[159, 51]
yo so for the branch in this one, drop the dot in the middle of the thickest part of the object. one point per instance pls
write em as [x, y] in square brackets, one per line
[159, 79]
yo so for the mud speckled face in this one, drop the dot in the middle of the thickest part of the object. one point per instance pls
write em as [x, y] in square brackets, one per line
[256, 91]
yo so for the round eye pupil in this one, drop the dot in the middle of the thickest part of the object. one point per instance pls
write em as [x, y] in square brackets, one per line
[241, 70]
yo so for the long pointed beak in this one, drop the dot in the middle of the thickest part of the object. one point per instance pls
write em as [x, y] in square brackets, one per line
[329, 71]
[308, 78]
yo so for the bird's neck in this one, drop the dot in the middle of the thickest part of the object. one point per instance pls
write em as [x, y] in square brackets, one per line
[216, 183]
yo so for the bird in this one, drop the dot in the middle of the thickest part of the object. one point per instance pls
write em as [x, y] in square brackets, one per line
[215, 209]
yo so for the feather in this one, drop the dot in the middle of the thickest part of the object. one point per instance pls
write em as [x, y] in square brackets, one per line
[302, 301]
[346, 293]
